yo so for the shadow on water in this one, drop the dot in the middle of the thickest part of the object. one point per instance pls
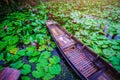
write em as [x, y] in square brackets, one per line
[67, 73]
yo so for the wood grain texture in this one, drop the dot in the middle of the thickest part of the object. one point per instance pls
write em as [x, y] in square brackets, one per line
[9, 74]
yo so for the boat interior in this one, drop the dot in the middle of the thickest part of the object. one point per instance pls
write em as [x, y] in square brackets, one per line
[87, 64]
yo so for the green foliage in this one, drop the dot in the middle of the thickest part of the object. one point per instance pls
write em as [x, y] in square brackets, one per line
[55, 69]
[14, 50]
[2, 56]
[25, 41]
[45, 54]
[91, 26]
[17, 64]
[9, 57]
[42, 47]
[21, 52]
[54, 60]
[31, 48]
[2, 46]
[42, 63]
[1, 68]
[25, 78]
[34, 59]
[48, 76]
[38, 74]
[35, 53]
[26, 69]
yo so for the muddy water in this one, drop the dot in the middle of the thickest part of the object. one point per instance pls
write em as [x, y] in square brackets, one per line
[67, 73]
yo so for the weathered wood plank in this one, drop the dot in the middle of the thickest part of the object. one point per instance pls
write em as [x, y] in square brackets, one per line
[9, 74]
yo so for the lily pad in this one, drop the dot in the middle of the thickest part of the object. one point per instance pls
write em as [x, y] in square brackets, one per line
[45, 54]
[42, 63]
[38, 74]
[17, 64]
[34, 59]
[35, 53]
[55, 69]
[48, 76]
[26, 69]
[25, 78]
[21, 52]
[54, 60]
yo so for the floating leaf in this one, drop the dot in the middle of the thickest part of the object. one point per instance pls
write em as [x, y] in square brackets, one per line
[42, 42]
[21, 52]
[42, 63]
[30, 48]
[11, 39]
[45, 54]
[35, 53]
[43, 47]
[1, 56]
[38, 74]
[26, 69]
[54, 60]
[116, 47]
[2, 45]
[29, 53]
[14, 50]
[15, 57]
[34, 24]
[17, 64]
[49, 48]
[117, 67]
[25, 78]
[9, 57]
[53, 45]
[114, 60]
[34, 59]
[108, 52]
[48, 76]
[55, 69]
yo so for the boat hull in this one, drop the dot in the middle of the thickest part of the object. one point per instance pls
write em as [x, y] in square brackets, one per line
[85, 62]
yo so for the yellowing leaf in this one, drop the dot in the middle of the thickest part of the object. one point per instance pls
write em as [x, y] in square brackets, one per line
[14, 50]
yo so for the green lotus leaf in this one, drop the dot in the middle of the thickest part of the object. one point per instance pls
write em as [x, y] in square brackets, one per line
[48, 76]
[10, 57]
[25, 78]
[26, 69]
[21, 52]
[34, 59]
[45, 54]
[42, 63]
[1, 56]
[55, 69]
[17, 64]
[38, 74]
[35, 53]
[41, 48]
[31, 48]
[14, 50]
[54, 60]
[2, 45]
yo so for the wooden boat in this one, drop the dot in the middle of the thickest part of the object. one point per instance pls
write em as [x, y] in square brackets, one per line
[86, 63]
[9, 74]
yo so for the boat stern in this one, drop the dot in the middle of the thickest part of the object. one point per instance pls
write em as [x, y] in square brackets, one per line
[49, 23]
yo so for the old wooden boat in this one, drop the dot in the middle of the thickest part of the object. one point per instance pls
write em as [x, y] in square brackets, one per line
[86, 63]
[9, 74]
